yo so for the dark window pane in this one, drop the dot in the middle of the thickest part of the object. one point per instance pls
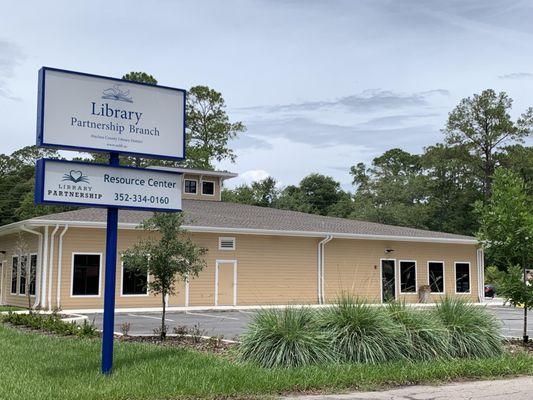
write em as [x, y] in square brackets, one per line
[462, 278]
[436, 277]
[14, 272]
[388, 281]
[23, 273]
[33, 272]
[190, 186]
[134, 281]
[208, 188]
[86, 280]
[407, 276]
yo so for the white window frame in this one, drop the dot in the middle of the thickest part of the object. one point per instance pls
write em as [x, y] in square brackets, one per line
[85, 296]
[469, 276]
[122, 284]
[396, 288]
[222, 238]
[400, 276]
[17, 276]
[443, 276]
[217, 265]
[187, 179]
[35, 277]
[214, 187]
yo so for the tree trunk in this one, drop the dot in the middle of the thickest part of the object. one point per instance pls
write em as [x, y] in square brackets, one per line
[163, 327]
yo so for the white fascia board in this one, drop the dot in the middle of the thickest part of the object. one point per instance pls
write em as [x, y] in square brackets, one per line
[267, 232]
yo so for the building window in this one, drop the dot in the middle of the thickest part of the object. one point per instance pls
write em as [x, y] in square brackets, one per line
[134, 281]
[462, 277]
[407, 276]
[33, 273]
[436, 276]
[226, 243]
[23, 272]
[86, 275]
[191, 186]
[14, 273]
[208, 188]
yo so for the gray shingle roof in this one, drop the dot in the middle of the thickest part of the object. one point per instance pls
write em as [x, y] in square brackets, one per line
[224, 215]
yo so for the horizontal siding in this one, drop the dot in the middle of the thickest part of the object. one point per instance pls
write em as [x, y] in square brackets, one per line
[13, 245]
[353, 266]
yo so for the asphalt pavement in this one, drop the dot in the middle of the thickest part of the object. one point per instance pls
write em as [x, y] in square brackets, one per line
[232, 323]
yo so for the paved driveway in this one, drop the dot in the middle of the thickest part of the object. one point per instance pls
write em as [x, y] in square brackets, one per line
[232, 323]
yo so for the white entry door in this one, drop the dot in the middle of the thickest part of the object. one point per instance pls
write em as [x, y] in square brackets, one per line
[226, 283]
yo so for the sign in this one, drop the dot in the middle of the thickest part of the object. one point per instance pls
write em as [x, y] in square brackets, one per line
[86, 112]
[86, 184]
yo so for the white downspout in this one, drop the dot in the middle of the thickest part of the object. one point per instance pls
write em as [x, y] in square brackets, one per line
[38, 274]
[322, 266]
[481, 275]
[44, 264]
[59, 265]
[319, 272]
[51, 267]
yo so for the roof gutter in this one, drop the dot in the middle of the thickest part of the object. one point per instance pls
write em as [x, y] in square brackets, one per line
[269, 232]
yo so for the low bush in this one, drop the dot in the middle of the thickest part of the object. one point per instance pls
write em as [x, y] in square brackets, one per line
[51, 323]
[427, 336]
[288, 337]
[362, 333]
[474, 332]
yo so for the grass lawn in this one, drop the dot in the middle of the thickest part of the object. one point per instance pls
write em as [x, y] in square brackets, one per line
[34, 366]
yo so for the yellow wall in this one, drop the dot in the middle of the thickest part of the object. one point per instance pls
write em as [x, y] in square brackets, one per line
[270, 269]
[15, 244]
[353, 266]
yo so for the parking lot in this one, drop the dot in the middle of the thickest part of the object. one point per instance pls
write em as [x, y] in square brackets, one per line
[230, 324]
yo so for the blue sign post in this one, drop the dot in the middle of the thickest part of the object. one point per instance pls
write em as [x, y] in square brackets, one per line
[110, 278]
[78, 111]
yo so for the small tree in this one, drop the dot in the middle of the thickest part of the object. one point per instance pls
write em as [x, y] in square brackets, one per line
[507, 234]
[167, 256]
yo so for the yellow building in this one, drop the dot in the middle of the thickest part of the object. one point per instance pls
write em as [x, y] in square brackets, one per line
[256, 256]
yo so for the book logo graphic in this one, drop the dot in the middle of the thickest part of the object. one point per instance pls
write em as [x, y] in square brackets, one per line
[76, 177]
[117, 93]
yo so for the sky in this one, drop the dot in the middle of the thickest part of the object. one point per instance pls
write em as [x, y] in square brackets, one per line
[320, 85]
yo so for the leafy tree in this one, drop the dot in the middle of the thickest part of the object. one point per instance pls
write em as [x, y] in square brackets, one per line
[261, 193]
[518, 159]
[392, 190]
[167, 256]
[506, 230]
[483, 124]
[142, 77]
[208, 128]
[452, 188]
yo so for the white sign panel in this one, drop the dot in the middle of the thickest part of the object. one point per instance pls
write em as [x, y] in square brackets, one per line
[94, 113]
[85, 184]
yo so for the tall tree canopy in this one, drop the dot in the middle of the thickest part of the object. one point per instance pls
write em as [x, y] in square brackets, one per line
[208, 128]
[483, 124]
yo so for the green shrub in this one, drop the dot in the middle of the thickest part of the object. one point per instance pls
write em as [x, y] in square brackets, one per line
[288, 337]
[474, 332]
[51, 323]
[363, 333]
[427, 336]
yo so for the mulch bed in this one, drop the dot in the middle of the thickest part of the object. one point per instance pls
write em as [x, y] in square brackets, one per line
[517, 345]
[213, 345]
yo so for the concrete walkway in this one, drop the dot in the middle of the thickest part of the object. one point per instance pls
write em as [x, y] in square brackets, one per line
[511, 389]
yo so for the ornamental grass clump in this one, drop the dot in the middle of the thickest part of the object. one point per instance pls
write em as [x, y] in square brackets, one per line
[474, 332]
[362, 333]
[288, 337]
[427, 336]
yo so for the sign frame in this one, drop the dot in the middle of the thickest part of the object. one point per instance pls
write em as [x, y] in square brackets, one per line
[41, 107]
[40, 185]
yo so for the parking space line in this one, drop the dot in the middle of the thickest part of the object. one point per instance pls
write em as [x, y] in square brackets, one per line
[147, 316]
[210, 316]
